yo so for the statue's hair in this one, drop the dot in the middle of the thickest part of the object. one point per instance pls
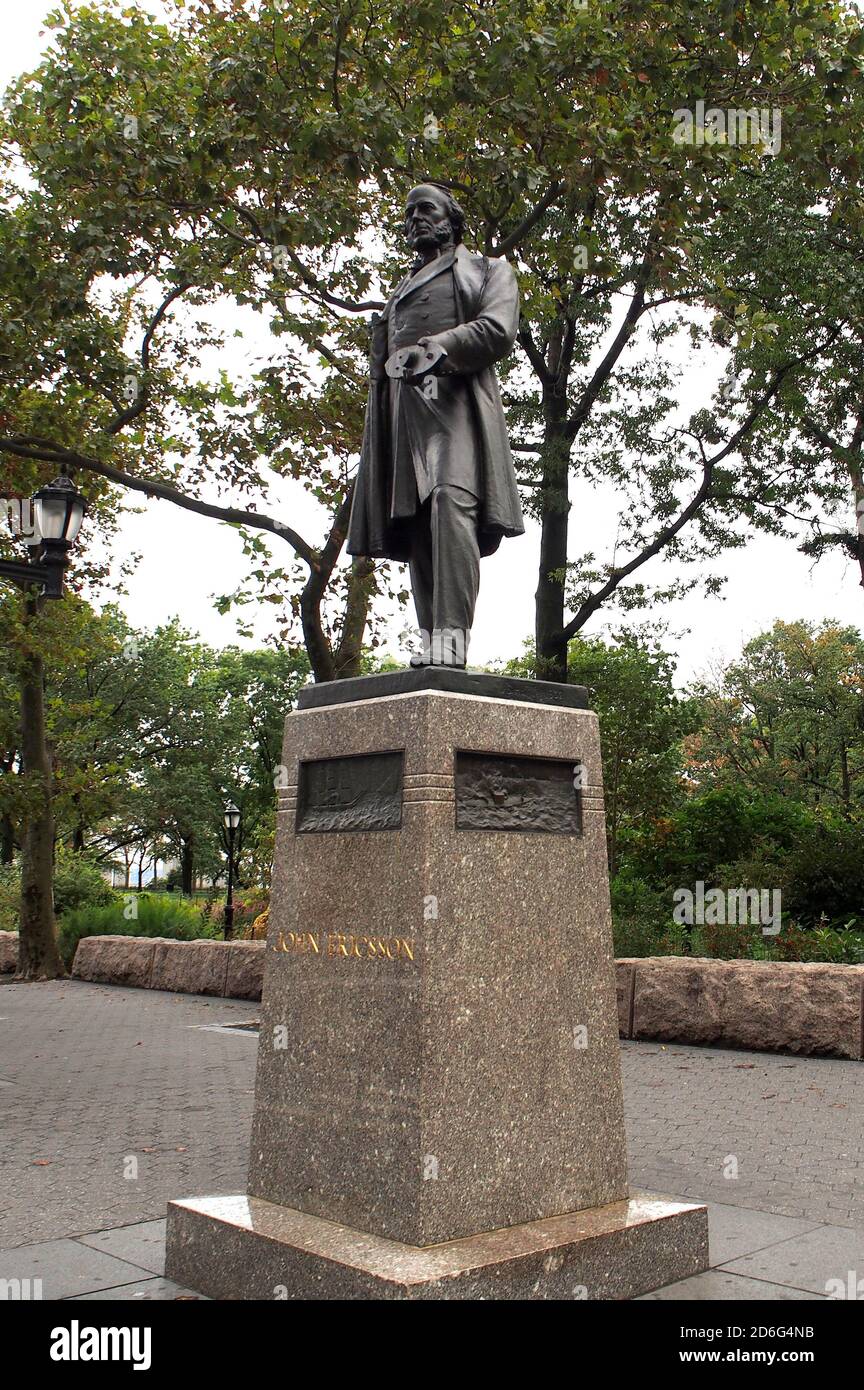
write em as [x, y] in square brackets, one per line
[454, 211]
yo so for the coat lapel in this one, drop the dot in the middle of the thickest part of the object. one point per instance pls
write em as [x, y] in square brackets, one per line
[415, 282]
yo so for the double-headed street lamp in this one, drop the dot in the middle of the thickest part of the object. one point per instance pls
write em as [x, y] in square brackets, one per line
[57, 510]
[231, 820]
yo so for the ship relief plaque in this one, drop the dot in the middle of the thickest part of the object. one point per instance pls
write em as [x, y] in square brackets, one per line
[351, 793]
[497, 792]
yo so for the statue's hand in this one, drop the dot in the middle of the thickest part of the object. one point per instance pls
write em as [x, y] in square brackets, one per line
[414, 364]
[433, 359]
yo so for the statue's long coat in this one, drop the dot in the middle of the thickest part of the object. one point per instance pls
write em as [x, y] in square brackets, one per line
[487, 301]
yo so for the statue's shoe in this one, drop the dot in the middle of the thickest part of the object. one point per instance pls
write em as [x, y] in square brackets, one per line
[419, 660]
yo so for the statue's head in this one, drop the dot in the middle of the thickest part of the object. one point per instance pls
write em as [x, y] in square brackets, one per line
[433, 218]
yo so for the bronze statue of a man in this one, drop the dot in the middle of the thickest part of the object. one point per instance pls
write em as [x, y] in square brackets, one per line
[436, 485]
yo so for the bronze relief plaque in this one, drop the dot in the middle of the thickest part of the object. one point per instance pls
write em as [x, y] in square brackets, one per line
[497, 792]
[351, 793]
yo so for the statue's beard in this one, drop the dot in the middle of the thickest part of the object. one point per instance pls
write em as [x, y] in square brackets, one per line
[431, 240]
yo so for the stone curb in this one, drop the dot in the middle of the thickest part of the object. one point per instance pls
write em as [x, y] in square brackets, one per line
[230, 969]
[8, 952]
[766, 1006]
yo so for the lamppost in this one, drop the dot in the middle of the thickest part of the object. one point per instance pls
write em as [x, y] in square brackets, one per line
[231, 820]
[57, 512]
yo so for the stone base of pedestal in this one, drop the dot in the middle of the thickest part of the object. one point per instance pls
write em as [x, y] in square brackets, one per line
[241, 1247]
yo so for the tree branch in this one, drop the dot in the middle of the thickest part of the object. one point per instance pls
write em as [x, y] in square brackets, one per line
[604, 369]
[309, 279]
[126, 416]
[318, 647]
[24, 446]
[533, 353]
[525, 226]
[668, 533]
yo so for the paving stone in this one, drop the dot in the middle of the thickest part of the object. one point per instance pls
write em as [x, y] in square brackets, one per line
[745, 1105]
[142, 1244]
[810, 1261]
[737, 1231]
[147, 1290]
[102, 1075]
[65, 1268]
[717, 1285]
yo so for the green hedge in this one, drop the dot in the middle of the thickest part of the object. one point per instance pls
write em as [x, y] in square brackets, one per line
[141, 914]
[10, 897]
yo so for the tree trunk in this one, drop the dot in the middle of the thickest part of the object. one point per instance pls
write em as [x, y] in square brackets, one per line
[858, 494]
[187, 864]
[846, 781]
[555, 507]
[314, 636]
[38, 949]
[326, 664]
[361, 586]
[7, 840]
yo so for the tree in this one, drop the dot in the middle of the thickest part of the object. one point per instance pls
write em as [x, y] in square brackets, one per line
[554, 126]
[122, 225]
[788, 718]
[643, 722]
[208, 729]
[26, 801]
[144, 737]
[789, 303]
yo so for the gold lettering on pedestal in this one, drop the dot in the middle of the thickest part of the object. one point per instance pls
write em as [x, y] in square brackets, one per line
[298, 941]
[347, 945]
[370, 947]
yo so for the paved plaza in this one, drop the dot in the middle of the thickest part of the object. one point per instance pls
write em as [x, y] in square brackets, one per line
[115, 1100]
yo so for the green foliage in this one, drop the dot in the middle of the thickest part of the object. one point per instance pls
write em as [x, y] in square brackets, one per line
[844, 946]
[10, 896]
[249, 903]
[142, 915]
[640, 912]
[151, 733]
[753, 782]
[824, 875]
[78, 883]
[788, 718]
[642, 935]
[643, 721]
[715, 829]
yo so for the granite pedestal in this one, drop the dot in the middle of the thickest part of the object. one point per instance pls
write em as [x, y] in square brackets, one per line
[438, 1108]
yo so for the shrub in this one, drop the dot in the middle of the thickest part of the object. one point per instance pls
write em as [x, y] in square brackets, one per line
[726, 940]
[718, 828]
[10, 896]
[640, 914]
[78, 883]
[257, 930]
[249, 903]
[155, 915]
[825, 873]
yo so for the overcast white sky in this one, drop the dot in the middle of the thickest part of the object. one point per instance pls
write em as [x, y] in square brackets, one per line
[186, 560]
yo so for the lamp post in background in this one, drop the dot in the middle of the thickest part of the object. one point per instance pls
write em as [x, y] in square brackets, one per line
[54, 520]
[56, 512]
[231, 821]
